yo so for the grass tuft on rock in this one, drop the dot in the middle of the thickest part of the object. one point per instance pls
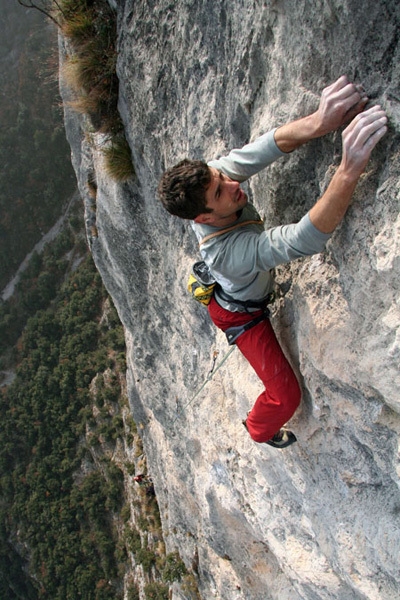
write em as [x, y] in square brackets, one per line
[119, 159]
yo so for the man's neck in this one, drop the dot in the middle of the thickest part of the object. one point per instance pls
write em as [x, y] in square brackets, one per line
[227, 221]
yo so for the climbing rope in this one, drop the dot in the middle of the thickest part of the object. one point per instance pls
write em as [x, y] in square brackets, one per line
[211, 373]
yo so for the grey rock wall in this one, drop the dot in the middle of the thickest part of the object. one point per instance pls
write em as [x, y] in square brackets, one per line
[320, 520]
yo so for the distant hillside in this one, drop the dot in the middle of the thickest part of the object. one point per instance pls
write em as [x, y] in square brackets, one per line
[15, 24]
[36, 177]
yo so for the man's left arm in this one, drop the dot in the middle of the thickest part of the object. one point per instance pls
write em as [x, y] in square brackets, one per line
[339, 103]
[359, 139]
[242, 163]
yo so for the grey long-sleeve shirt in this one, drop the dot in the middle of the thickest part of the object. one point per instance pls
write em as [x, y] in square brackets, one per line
[242, 260]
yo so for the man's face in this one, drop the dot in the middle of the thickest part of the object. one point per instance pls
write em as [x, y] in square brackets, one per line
[225, 197]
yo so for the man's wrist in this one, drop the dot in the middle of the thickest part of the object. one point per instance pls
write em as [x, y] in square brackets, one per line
[317, 126]
[346, 176]
[293, 135]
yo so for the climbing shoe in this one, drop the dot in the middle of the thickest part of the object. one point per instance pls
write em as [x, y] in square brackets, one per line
[282, 439]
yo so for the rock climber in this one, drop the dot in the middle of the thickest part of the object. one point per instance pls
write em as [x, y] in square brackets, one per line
[242, 258]
[142, 479]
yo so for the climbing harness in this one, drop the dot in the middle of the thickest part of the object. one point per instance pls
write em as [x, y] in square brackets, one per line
[202, 286]
[244, 305]
[214, 369]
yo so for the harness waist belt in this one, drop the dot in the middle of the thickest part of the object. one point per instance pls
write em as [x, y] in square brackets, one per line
[244, 304]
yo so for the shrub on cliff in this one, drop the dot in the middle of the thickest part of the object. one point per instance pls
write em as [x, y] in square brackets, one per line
[156, 591]
[90, 71]
[174, 568]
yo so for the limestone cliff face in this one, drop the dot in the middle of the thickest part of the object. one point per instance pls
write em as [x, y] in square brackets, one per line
[319, 520]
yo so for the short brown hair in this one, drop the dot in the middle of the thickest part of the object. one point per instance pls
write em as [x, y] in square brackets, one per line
[182, 189]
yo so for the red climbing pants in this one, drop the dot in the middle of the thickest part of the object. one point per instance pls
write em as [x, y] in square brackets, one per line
[259, 346]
